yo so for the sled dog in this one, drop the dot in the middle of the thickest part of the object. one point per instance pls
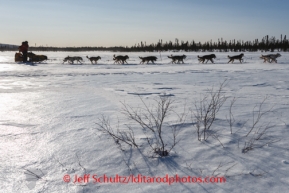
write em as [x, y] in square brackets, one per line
[147, 59]
[94, 59]
[270, 58]
[206, 57]
[177, 58]
[71, 60]
[237, 57]
[120, 59]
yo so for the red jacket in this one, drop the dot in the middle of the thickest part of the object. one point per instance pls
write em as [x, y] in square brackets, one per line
[24, 47]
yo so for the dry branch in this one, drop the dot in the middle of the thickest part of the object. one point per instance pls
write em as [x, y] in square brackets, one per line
[152, 118]
[206, 109]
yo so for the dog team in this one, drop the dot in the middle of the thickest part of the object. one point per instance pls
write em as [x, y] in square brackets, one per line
[24, 54]
[175, 59]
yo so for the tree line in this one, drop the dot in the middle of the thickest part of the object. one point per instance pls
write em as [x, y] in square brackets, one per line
[266, 44]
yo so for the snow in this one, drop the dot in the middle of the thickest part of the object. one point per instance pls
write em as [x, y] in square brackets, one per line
[49, 113]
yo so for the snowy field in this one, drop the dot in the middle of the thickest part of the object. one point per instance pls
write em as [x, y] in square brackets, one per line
[49, 115]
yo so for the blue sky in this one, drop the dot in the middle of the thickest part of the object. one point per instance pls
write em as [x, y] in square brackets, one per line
[126, 22]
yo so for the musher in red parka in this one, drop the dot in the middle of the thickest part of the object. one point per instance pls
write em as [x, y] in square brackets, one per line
[24, 49]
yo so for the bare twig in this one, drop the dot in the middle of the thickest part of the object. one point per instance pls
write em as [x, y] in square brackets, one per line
[206, 110]
[217, 137]
[222, 165]
[219, 166]
[152, 118]
[258, 114]
[126, 137]
[80, 164]
[33, 175]
[231, 119]
[227, 170]
[258, 131]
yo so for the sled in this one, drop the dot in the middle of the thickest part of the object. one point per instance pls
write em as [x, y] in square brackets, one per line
[18, 57]
[36, 58]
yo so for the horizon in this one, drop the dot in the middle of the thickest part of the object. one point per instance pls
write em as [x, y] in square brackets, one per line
[283, 36]
[126, 23]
